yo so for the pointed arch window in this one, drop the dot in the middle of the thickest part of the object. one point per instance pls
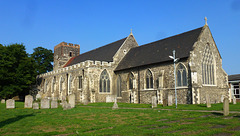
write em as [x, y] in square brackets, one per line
[130, 81]
[70, 84]
[53, 84]
[80, 82]
[61, 85]
[208, 72]
[181, 75]
[104, 84]
[45, 86]
[149, 79]
[119, 89]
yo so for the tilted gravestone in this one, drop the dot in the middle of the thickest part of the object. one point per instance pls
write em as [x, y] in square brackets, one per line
[28, 101]
[154, 101]
[3, 101]
[10, 104]
[85, 102]
[54, 104]
[115, 105]
[45, 103]
[71, 99]
[170, 100]
[208, 101]
[35, 105]
[225, 107]
[66, 105]
[234, 100]
[165, 102]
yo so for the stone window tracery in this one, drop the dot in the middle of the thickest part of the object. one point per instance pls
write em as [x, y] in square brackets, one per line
[70, 84]
[208, 72]
[119, 89]
[181, 75]
[130, 81]
[104, 84]
[80, 84]
[149, 79]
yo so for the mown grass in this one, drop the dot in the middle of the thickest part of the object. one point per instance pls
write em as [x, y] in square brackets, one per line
[100, 119]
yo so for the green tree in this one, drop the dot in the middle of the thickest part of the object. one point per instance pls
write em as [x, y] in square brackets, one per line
[43, 59]
[17, 71]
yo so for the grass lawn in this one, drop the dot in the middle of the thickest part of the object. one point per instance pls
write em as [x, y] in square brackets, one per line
[100, 119]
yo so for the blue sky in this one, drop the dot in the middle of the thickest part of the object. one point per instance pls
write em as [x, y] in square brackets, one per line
[94, 23]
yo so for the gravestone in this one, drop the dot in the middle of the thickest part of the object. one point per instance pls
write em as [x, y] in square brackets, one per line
[154, 101]
[225, 107]
[28, 101]
[54, 104]
[3, 101]
[170, 100]
[85, 102]
[10, 104]
[66, 105]
[115, 105]
[45, 103]
[38, 96]
[165, 102]
[35, 105]
[234, 100]
[208, 101]
[110, 98]
[222, 98]
[71, 99]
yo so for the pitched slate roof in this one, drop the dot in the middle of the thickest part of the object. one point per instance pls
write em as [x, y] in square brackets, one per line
[104, 53]
[159, 51]
[234, 77]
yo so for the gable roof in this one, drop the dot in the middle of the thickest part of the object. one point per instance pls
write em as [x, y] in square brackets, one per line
[234, 77]
[159, 51]
[104, 53]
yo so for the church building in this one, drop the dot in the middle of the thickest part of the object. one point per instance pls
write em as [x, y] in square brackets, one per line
[133, 74]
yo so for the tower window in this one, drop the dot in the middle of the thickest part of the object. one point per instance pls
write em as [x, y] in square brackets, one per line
[70, 54]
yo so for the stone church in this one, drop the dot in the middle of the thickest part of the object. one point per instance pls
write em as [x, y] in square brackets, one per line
[133, 74]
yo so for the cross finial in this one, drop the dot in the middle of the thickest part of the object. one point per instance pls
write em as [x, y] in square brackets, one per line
[205, 20]
[131, 31]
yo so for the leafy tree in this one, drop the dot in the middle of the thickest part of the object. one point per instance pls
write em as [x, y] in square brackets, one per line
[17, 71]
[43, 59]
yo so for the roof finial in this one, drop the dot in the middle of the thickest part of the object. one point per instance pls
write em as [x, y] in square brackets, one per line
[131, 31]
[205, 20]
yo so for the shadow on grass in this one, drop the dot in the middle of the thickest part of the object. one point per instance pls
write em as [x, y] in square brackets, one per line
[217, 114]
[12, 120]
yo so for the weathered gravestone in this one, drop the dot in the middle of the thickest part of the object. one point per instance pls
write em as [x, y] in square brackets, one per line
[110, 98]
[225, 107]
[54, 104]
[234, 100]
[28, 101]
[35, 105]
[170, 100]
[66, 105]
[45, 103]
[71, 99]
[3, 101]
[85, 102]
[38, 96]
[115, 105]
[165, 102]
[154, 101]
[10, 104]
[208, 101]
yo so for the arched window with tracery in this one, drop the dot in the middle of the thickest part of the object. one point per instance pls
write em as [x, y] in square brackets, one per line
[208, 67]
[104, 83]
[149, 79]
[119, 89]
[130, 80]
[181, 75]
[70, 84]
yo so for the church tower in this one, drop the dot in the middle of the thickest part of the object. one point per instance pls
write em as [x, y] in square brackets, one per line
[63, 52]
